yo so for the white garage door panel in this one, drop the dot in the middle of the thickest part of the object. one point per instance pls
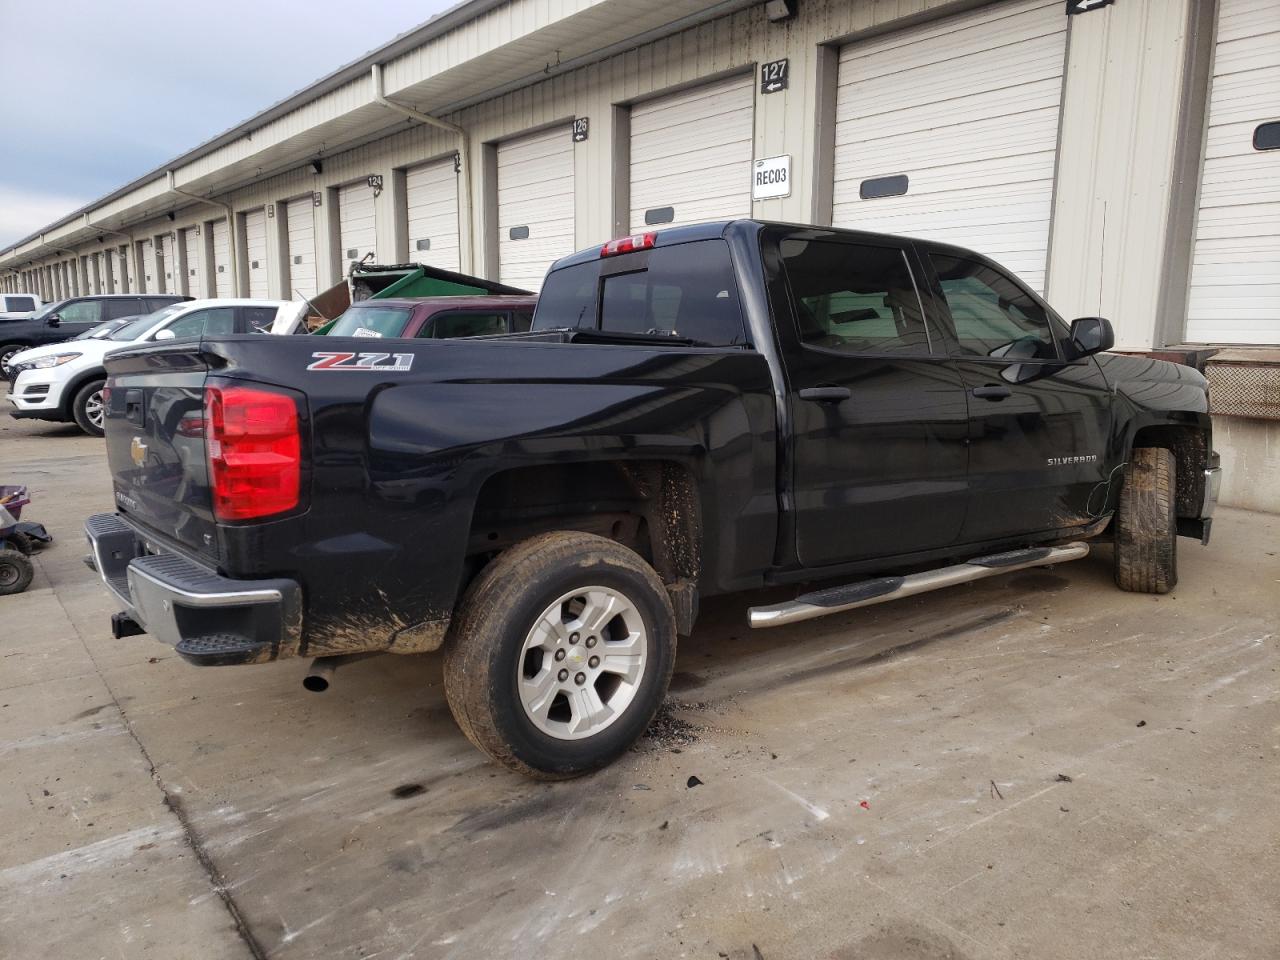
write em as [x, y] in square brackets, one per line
[255, 233]
[195, 263]
[148, 284]
[431, 192]
[130, 269]
[692, 151]
[302, 247]
[1235, 272]
[967, 108]
[535, 190]
[170, 266]
[356, 222]
[221, 260]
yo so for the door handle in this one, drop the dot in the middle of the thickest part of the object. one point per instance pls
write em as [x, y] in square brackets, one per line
[826, 394]
[992, 392]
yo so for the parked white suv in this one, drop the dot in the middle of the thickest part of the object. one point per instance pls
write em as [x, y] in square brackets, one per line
[63, 381]
[18, 306]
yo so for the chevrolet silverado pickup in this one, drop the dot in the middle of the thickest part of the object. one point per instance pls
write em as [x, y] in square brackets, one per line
[695, 411]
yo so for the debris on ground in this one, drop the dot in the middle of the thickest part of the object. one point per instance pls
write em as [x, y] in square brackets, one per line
[1062, 778]
[995, 791]
[693, 782]
[1142, 723]
[864, 804]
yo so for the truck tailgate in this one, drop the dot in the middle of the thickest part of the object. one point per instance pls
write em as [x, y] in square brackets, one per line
[155, 445]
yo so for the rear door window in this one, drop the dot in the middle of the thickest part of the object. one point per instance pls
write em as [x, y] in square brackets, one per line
[447, 326]
[124, 307]
[855, 298]
[20, 304]
[257, 319]
[210, 322]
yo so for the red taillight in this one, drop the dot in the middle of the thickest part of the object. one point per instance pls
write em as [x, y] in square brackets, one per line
[255, 452]
[641, 241]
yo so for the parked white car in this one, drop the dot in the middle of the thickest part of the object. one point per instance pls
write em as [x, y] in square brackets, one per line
[18, 306]
[63, 381]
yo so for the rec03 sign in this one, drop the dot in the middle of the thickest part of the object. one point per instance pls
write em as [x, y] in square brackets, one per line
[771, 178]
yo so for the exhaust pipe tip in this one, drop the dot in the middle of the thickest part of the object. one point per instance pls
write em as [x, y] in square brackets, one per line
[320, 677]
[315, 682]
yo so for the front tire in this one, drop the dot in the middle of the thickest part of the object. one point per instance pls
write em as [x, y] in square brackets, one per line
[16, 571]
[88, 407]
[560, 654]
[1147, 524]
[7, 352]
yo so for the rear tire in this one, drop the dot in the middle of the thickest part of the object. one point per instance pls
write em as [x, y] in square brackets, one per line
[16, 571]
[88, 408]
[560, 654]
[1146, 536]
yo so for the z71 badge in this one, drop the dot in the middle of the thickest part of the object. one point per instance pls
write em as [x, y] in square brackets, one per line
[361, 361]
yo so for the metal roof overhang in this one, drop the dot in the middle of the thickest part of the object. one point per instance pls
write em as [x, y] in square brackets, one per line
[473, 52]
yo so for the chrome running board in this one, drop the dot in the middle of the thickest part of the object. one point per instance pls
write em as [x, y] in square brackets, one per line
[822, 603]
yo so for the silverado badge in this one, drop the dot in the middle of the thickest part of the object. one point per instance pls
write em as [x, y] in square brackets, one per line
[336, 360]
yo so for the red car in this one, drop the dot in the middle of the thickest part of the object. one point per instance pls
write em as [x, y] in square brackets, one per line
[436, 318]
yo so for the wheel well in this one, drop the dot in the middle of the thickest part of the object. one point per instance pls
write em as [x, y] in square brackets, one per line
[651, 507]
[69, 395]
[1190, 447]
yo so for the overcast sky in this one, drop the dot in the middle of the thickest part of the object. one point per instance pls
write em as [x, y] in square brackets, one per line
[94, 94]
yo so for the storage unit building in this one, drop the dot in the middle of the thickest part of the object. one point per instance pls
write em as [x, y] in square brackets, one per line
[255, 235]
[1235, 274]
[357, 223]
[536, 207]
[301, 238]
[431, 201]
[948, 130]
[691, 155]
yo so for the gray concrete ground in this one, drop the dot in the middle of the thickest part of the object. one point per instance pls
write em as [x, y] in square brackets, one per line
[1038, 766]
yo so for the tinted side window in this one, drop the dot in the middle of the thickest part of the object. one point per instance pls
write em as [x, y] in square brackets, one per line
[993, 316]
[688, 290]
[258, 319]
[521, 320]
[125, 307]
[445, 326]
[213, 321]
[854, 297]
[82, 311]
[151, 304]
[21, 304]
[568, 298]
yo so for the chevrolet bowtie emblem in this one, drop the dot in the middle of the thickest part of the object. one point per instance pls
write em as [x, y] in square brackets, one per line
[138, 452]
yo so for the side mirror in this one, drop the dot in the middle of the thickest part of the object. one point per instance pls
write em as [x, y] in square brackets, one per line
[1091, 335]
[53, 320]
[165, 334]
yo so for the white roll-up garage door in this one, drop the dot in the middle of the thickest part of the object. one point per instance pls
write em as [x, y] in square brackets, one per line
[302, 248]
[130, 271]
[1235, 272]
[194, 252]
[357, 227]
[222, 286]
[169, 271]
[255, 236]
[691, 155]
[535, 205]
[149, 283]
[431, 191]
[962, 114]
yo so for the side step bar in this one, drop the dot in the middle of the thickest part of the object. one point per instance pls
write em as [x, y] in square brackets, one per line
[822, 603]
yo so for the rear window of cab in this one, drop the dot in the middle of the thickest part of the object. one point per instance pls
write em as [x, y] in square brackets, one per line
[687, 290]
[361, 321]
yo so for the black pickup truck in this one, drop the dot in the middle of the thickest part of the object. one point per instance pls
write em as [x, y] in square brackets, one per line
[696, 411]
